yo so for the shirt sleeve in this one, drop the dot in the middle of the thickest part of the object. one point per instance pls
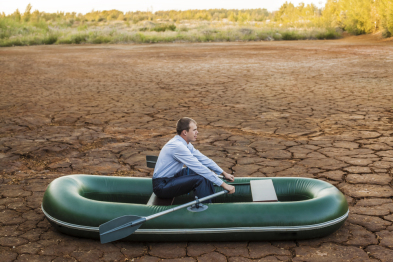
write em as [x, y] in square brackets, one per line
[186, 157]
[206, 161]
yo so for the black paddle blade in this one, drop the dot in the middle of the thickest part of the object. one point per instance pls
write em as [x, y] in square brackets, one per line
[119, 228]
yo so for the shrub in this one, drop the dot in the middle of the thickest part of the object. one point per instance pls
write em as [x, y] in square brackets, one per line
[291, 35]
[277, 36]
[41, 24]
[246, 31]
[328, 34]
[66, 40]
[208, 32]
[34, 41]
[386, 33]
[82, 27]
[50, 39]
[101, 39]
[172, 27]
[77, 39]
[182, 29]
[163, 28]
[262, 35]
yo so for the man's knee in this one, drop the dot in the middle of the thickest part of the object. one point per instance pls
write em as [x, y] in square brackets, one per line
[200, 180]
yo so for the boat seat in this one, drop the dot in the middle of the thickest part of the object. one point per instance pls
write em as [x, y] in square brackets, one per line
[156, 201]
[263, 191]
[151, 161]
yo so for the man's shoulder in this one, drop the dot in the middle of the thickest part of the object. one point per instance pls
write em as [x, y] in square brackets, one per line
[173, 140]
[175, 143]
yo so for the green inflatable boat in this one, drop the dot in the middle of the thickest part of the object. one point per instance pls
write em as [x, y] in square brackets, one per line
[307, 208]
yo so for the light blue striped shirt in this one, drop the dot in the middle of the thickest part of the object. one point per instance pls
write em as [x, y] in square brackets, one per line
[177, 153]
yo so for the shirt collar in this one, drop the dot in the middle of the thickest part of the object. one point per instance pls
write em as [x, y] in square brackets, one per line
[181, 139]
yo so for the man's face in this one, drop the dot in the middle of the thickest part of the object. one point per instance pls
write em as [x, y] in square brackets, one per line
[192, 133]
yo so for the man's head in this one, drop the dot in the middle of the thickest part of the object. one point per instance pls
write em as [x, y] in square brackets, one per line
[187, 129]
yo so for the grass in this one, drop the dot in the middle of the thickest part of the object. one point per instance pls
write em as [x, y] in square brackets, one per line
[70, 32]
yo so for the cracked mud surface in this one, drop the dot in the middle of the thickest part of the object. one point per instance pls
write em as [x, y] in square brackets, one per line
[311, 109]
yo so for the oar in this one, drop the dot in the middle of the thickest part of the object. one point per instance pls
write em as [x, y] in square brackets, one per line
[124, 226]
[223, 177]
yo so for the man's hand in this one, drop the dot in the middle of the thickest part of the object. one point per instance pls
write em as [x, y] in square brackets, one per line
[228, 176]
[231, 189]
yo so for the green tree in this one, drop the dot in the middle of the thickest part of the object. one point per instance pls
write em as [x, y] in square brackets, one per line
[17, 16]
[358, 17]
[331, 14]
[232, 17]
[35, 16]
[27, 13]
[286, 13]
[243, 17]
[385, 12]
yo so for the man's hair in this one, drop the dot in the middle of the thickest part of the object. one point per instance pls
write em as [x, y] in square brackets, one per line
[184, 124]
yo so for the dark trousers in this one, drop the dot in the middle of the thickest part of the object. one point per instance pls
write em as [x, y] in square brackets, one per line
[182, 183]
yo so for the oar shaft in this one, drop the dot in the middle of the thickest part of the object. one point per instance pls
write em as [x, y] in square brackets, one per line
[222, 177]
[186, 205]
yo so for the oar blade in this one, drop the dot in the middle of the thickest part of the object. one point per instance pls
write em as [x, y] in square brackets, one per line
[107, 236]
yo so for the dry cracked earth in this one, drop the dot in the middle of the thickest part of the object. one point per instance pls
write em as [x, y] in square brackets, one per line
[319, 109]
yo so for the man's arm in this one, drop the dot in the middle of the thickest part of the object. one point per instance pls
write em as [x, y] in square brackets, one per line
[210, 164]
[187, 158]
[230, 188]
[184, 156]
[228, 176]
[205, 160]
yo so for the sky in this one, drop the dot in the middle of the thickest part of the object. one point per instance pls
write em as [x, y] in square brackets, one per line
[85, 6]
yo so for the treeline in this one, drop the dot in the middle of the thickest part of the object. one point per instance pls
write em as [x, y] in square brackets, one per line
[232, 15]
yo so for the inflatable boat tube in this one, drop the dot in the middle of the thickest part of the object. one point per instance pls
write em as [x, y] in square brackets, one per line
[307, 208]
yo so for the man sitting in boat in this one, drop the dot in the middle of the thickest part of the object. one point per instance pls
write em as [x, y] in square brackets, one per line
[170, 179]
